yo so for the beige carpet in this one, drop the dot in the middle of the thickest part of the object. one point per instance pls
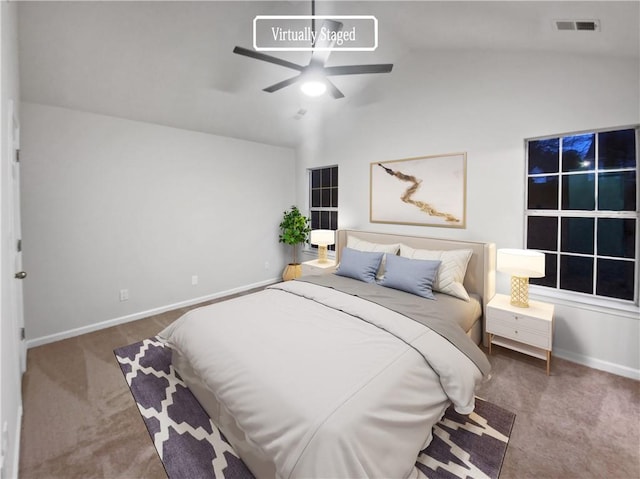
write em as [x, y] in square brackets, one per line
[81, 422]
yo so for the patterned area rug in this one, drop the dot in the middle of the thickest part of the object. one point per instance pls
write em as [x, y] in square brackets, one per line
[190, 445]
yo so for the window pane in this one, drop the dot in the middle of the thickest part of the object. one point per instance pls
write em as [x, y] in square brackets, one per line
[326, 197]
[544, 156]
[617, 149]
[576, 273]
[326, 177]
[578, 152]
[617, 237]
[578, 192]
[617, 191]
[550, 271]
[543, 193]
[315, 220]
[577, 235]
[324, 220]
[315, 178]
[615, 279]
[334, 197]
[334, 176]
[315, 198]
[542, 233]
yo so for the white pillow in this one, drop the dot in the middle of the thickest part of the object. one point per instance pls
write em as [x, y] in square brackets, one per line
[452, 269]
[362, 245]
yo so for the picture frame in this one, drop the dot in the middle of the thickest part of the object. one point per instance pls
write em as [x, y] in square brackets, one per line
[423, 191]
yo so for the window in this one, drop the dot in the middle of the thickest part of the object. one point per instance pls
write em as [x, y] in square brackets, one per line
[323, 192]
[582, 212]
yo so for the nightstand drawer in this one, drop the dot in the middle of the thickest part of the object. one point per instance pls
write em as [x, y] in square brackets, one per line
[511, 330]
[520, 321]
[527, 330]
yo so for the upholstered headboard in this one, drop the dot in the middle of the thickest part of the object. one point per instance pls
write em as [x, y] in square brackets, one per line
[481, 271]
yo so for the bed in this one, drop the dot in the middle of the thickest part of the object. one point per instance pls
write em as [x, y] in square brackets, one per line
[334, 376]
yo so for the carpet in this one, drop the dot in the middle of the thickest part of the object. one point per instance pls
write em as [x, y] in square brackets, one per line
[189, 444]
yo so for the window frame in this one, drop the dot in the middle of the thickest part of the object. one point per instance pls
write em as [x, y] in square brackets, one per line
[309, 247]
[586, 300]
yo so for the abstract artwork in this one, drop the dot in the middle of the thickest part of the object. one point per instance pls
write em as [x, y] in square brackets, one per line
[426, 191]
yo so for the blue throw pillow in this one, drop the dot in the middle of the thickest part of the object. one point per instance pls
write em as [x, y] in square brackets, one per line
[414, 276]
[362, 265]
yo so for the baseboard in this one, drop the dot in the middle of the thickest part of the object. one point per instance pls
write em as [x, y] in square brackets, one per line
[32, 343]
[594, 363]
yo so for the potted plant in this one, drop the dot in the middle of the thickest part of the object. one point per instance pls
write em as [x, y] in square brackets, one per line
[294, 229]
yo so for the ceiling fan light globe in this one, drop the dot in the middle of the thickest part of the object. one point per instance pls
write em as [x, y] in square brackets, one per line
[313, 88]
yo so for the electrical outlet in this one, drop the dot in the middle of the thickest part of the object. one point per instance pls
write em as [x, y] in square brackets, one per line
[124, 294]
[194, 280]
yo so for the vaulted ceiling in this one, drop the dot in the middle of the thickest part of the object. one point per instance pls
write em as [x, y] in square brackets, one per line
[171, 63]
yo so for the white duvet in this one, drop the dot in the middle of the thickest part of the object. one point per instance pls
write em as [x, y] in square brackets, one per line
[317, 389]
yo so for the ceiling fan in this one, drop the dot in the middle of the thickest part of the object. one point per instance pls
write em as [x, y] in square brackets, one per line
[315, 74]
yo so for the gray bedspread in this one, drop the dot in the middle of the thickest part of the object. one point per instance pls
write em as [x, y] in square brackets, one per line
[435, 315]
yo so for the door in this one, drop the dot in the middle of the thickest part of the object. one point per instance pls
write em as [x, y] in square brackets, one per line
[15, 235]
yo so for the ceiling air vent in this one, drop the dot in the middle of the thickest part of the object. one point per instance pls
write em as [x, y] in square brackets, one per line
[577, 25]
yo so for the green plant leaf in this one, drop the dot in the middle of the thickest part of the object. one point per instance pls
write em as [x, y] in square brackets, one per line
[294, 228]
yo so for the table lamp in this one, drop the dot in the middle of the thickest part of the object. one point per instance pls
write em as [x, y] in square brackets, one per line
[322, 239]
[521, 264]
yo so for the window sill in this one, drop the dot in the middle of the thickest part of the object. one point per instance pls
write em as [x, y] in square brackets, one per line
[600, 305]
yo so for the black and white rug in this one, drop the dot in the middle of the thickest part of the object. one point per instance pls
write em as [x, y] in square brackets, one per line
[190, 446]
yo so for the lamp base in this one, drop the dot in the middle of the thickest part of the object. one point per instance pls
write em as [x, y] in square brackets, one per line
[519, 291]
[322, 254]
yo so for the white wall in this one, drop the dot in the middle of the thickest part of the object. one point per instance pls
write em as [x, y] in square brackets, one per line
[486, 104]
[10, 374]
[111, 204]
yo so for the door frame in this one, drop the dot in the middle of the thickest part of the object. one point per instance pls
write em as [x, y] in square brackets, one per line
[15, 236]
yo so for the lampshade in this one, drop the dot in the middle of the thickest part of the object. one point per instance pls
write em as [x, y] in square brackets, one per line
[523, 263]
[322, 237]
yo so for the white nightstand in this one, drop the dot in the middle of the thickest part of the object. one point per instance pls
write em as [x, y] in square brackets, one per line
[314, 267]
[527, 330]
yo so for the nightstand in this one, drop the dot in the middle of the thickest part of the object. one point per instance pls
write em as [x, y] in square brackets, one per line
[314, 267]
[527, 330]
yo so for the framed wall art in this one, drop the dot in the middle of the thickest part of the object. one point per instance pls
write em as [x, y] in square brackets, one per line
[426, 191]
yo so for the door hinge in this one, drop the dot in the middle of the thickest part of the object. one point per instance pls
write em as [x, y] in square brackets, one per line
[23, 335]
[19, 246]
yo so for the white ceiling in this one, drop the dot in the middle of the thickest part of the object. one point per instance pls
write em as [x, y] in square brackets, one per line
[171, 63]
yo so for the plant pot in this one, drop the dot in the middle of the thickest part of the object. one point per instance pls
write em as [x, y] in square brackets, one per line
[292, 271]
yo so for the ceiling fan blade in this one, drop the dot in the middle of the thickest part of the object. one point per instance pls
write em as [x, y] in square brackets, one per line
[358, 69]
[282, 84]
[267, 58]
[325, 40]
[335, 93]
